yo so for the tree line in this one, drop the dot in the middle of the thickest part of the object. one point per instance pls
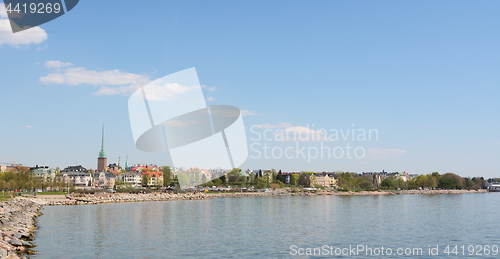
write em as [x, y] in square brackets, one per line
[27, 180]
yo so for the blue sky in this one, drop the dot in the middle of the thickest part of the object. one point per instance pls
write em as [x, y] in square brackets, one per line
[424, 74]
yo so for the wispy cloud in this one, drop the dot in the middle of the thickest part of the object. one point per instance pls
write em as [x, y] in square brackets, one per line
[3, 11]
[247, 113]
[29, 126]
[57, 64]
[111, 82]
[274, 126]
[384, 153]
[285, 131]
[300, 134]
[209, 88]
[210, 99]
[34, 35]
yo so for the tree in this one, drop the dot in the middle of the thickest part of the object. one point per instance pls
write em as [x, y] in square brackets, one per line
[234, 175]
[305, 179]
[422, 181]
[218, 182]
[400, 183]
[251, 177]
[437, 175]
[261, 182]
[294, 179]
[167, 175]
[342, 183]
[145, 179]
[183, 179]
[366, 182]
[280, 177]
[478, 182]
[388, 182]
[432, 180]
[451, 181]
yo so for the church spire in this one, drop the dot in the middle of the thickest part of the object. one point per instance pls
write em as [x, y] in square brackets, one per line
[126, 163]
[102, 154]
[119, 162]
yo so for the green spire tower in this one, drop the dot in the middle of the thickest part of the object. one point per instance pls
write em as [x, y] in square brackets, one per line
[102, 160]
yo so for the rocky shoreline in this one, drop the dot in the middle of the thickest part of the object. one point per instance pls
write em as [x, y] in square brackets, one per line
[17, 225]
[145, 197]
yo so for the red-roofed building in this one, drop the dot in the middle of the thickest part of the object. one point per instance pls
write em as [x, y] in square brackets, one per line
[155, 178]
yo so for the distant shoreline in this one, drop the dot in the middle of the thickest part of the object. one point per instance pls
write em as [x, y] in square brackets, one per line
[88, 199]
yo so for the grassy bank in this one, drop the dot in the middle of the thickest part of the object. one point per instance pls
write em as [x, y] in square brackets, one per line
[51, 193]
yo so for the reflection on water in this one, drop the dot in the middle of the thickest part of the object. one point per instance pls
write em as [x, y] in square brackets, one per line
[253, 227]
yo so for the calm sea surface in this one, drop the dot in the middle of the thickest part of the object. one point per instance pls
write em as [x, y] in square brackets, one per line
[257, 227]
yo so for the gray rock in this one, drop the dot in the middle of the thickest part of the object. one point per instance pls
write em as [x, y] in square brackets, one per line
[3, 253]
[17, 235]
[15, 242]
[24, 234]
[26, 243]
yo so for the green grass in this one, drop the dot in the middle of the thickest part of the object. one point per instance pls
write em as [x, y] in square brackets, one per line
[4, 197]
[51, 193]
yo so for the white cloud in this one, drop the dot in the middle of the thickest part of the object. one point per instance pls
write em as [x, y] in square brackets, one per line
[79, 75]
[384, 153]
[29, 126]
[209, 88]
[299, 133]
[162, 92]
[210, 99]
[247, 113]
[285, 131]
[3, 12]
[57, 64]
[34, 35]
[271, 126]
[125, 83]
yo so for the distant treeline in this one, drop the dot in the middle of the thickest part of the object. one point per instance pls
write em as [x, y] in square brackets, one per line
[346, 181]
[434, 180]
[27, 180]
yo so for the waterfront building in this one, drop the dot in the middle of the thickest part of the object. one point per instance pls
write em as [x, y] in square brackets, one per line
[288, 176]
[102, 160]
[104, 180]
[114, 168]
[325, 179]
[155, 178]
[207, 174]
[491, 184]
[78, 175]
[141, 168]
[132, 177]
[44, 172]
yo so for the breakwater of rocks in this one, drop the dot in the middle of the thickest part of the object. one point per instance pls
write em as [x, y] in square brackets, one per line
[17, 225]
[119, 197]
[80, 199]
